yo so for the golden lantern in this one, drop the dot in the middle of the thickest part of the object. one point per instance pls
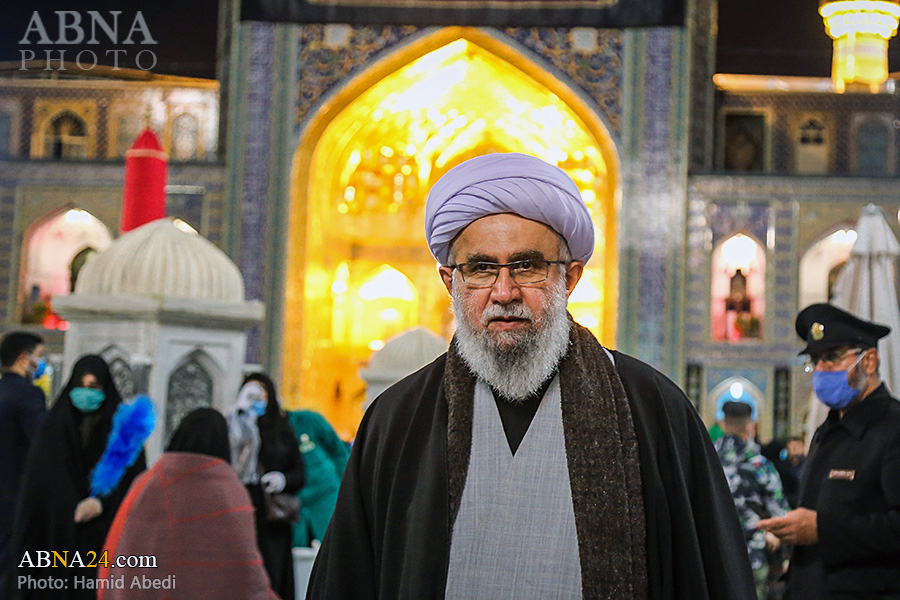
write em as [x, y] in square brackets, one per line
[861, 30]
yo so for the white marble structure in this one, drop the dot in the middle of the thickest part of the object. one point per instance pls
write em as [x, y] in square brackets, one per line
[166, 309]
[403, 354]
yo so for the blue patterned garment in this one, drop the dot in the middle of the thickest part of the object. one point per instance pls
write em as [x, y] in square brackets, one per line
[756, 489]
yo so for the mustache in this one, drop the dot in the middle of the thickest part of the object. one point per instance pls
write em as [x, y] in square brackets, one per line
[509, 311]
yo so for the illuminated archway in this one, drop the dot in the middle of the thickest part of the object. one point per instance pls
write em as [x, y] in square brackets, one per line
[738, 289]
[821, 264]
[363, 169]
[54, 250]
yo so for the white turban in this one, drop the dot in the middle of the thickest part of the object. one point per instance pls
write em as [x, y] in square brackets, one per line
[507, 183]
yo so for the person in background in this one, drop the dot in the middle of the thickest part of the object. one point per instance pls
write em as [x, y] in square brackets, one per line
[776, 452]
[325, 457]
[208, 542]
[22, 409]
[796, 456]
[755, 487]
[56, 510]
[846, 532]
[266, 455]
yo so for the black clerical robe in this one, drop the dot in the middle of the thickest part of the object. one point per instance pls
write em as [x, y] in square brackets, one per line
[391, 531]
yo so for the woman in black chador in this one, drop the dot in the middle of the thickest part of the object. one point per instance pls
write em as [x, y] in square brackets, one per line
[58, 511]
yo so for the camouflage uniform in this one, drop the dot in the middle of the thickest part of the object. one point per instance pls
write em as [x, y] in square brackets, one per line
[756, 489]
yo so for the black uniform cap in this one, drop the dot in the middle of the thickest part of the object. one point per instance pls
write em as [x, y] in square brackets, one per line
[823, 327]
[737, 410]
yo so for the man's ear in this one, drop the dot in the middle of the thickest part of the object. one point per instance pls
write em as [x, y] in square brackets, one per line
[574, 271]
[447, 277]
[870, 361]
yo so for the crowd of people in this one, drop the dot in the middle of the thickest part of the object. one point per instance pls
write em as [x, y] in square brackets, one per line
[218, 512]
[527, 462]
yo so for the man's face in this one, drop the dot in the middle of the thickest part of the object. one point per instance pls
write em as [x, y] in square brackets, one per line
[31, 358]
[506, 238]
[795, 448]
[835, 359]
[846, 358]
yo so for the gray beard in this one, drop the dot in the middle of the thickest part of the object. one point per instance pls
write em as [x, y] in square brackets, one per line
[515, 363]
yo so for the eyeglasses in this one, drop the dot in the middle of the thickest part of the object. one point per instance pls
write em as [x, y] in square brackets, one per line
[523, 272]
[830, 359]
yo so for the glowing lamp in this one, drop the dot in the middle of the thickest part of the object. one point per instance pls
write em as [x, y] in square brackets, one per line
[739, 252]
[387, 283]
[79, 216]
[844, 236]
[860, 30]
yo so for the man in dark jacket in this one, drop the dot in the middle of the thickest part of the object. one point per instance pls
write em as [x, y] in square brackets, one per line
[846, 531]
[22, 408]
[529, 461]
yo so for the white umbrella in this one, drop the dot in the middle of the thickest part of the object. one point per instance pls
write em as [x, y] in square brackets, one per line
[867, 288]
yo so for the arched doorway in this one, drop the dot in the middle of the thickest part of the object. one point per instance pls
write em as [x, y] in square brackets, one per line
[361, 175]
[54, 251]
[738, 286]
[821, 264]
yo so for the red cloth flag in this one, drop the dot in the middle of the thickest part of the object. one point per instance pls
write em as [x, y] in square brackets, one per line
[144, 196]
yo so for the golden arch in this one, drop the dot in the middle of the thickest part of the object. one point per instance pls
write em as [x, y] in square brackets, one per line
[357, 204]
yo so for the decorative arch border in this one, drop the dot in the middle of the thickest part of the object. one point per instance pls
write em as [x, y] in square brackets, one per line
[831, 229]
[391, 60]
[749, 388]
[842, 225]
[46, 111]
[766, 277]
[115, 355]
[29, 232]
[212, 368]
[206, 360]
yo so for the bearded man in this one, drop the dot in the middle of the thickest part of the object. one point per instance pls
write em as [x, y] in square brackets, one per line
[529, 461]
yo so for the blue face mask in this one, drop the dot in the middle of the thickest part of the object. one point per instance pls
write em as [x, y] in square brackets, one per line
[39, 368]
[259, 407]
[833, 387]
[87, 399]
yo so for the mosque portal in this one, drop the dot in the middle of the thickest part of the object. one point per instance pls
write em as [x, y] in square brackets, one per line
[358, 268]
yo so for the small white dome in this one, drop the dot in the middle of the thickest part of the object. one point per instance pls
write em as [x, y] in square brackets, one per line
[161, 259]
[406, 353]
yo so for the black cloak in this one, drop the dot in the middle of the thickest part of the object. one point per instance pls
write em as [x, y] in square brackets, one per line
[57, 478]
[390, 533]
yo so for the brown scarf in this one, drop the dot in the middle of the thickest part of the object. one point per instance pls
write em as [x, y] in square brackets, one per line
[604, 469]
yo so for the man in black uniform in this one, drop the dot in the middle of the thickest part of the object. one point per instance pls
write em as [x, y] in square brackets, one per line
[22, 409]
[846, 531]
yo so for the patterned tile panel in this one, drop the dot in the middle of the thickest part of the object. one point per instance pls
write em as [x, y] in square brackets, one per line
[257, 168]
[323, 66]
[660, 202]
[840, 107]
[704, 23]
[800, 209]
[7, 213]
